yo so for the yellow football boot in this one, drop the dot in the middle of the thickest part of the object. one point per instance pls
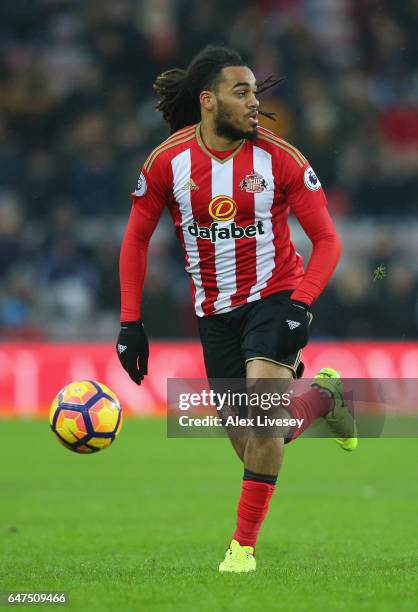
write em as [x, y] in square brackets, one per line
[238, 559]
[339, 419]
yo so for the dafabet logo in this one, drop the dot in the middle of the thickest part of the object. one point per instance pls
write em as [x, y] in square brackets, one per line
[222, 209]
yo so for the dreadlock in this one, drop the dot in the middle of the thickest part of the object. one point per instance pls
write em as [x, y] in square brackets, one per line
[179, 89]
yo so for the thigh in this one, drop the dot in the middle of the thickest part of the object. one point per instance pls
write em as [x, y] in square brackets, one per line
[265, 377]
[261, 368]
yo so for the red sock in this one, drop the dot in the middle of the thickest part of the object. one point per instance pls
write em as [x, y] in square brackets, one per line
[252, 509]
[309, 407]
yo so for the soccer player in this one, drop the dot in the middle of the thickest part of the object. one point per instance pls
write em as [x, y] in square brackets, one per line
[229, 185]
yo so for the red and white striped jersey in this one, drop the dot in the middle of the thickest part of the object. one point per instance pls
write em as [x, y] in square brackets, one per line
[231, 214]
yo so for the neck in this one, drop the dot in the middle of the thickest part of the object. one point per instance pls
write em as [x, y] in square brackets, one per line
[214, 141]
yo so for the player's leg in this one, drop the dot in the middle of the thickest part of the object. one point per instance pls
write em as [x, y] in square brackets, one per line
[224, 360]
[263, 454]
[262, 457]
[267, 370]
[325, 398]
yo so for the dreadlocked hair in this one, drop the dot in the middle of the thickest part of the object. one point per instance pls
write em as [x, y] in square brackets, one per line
[179, 90]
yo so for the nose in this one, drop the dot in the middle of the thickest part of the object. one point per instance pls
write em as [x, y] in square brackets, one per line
[253, 102]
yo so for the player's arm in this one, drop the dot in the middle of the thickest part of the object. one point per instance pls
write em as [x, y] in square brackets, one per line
[147, 204]
[306, 198]
[326, 251]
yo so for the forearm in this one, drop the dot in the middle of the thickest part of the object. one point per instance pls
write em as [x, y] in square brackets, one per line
[132, 270]
[133, 264]
[326, 250]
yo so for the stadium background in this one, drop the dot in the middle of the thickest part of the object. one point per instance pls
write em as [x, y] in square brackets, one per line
[77, 121]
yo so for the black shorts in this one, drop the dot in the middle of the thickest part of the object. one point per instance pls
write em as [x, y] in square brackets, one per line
[248, 332]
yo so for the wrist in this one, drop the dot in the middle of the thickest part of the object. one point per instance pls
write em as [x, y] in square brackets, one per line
[131, 324]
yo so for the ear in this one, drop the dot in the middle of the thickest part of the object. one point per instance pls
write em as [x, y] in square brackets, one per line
[207, 100]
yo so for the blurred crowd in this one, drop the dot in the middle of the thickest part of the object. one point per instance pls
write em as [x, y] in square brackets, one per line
[77, 120]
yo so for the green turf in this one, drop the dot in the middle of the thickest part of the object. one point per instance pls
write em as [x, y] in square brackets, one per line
[144, 524]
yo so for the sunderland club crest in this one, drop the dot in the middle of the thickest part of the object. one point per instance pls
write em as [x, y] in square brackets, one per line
[253, 183]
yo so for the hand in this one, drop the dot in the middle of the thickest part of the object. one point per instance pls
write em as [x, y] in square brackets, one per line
[294, 331]
[133, 350]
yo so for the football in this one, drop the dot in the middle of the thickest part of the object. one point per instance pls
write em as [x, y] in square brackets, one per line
[85, 416]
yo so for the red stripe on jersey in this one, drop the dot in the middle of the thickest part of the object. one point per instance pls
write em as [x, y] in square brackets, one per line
[245, 249]
[176, 216]
[288, 266]
[278, 233]
[201, 167]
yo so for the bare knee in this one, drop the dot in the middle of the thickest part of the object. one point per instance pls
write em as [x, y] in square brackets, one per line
[264, 455]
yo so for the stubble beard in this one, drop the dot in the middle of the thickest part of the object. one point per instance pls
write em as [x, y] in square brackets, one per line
[226, 129]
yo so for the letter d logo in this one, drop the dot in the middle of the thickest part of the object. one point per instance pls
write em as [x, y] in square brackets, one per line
[222, 208]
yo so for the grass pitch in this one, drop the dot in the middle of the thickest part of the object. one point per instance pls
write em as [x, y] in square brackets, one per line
[143, 525]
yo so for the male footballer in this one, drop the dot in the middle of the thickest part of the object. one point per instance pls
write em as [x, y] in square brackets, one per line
[229, 185]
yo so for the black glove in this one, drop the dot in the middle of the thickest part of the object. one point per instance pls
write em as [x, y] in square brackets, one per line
[294, 330]
[133, 350]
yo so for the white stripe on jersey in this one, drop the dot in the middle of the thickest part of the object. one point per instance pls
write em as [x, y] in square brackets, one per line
[182, 170]
[263, 202]
[225, 263]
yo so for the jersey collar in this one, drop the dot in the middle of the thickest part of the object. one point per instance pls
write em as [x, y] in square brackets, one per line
[206, 150]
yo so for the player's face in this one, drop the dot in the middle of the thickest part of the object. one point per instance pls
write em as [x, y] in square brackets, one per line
[236, 112]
